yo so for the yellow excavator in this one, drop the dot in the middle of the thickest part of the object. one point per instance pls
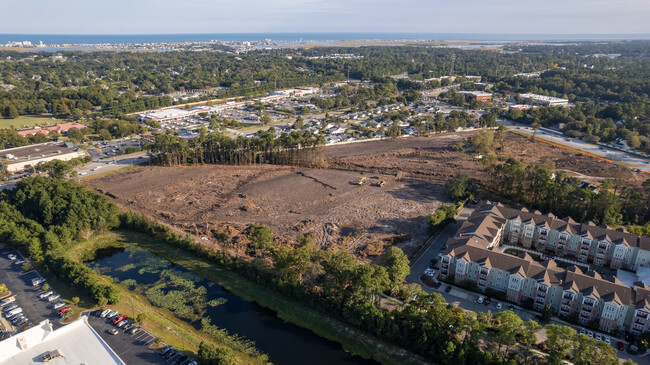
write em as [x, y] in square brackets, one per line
[361, 181]
[381, 183]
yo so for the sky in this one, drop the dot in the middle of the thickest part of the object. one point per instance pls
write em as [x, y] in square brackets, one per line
[301, 16]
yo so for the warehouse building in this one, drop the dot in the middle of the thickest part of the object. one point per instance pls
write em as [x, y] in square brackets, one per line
[75, 343]
[546, 100]
[23, 158]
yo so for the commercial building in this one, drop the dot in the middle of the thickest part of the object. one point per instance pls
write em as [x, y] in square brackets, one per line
[61, 128]
[478, 95]
[172, 114]
[22, 158]
[546, 100]
[476, 255]
[75, 343]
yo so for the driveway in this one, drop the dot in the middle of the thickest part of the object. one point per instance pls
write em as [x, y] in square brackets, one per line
[435, 247]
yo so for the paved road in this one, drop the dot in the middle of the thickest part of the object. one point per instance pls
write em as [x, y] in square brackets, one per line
[418, 267]
[615, 155]
[118, 162]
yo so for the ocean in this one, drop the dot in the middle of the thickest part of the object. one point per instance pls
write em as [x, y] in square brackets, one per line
[60, 39]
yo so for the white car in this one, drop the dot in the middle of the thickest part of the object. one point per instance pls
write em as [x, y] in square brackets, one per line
[53, 297]
[480, 300]
[104, 313]
[58, 305]
[499, 306]
[606, 339]
[12, 256]
[590, 334]
[599, 337]
[45, 295]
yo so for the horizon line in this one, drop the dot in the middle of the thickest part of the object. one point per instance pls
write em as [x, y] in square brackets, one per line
[335, 32]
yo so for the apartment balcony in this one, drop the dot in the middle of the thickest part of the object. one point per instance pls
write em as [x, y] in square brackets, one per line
[540, 301]
[565, 308]
[567, 296]
[639, 321]
[587, 308]
[642, 315]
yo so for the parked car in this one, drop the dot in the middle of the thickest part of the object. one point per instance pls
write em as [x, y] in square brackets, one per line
[37, 281]
[437, 285]
[120, 319]
[53, 297]
[511, 308]
[180, 359]
[112, 314]
[21, 322]
[113, 331]
[122, 323]
[583, 331]
[498, 305]
[45, 295]
[480, 300]
[58, 305]
[63, 310]
[447, 289]
[12, 256]
[10, 308]
[487, 301]
[133, 330]
[104, 313]
[590, 334]
[166, 349]
[599, 337]
[621, 346]
[607, 340]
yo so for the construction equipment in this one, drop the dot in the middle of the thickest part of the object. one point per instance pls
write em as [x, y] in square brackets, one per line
[381, 183]
[361, 181]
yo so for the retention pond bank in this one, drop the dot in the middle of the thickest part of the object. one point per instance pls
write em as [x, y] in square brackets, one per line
[194, 299]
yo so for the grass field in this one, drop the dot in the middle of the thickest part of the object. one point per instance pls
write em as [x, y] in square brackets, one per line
[26, 121]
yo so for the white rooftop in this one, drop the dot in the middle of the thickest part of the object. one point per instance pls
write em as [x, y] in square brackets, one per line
[77, 342]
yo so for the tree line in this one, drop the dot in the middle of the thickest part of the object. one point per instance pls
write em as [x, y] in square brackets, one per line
[293, 148]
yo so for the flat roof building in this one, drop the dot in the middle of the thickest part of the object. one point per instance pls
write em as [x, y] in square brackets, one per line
[546, 100]
[75, 343]
[20, 158]
[478, 95]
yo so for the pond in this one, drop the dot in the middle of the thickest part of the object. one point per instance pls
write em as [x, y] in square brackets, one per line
[191, 298]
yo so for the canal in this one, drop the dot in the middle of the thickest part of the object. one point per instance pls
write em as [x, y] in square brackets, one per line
[193, 299]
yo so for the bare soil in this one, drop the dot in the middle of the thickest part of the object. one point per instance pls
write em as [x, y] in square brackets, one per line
[327, 203]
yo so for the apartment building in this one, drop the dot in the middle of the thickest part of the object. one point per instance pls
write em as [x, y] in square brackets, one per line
[475, 254]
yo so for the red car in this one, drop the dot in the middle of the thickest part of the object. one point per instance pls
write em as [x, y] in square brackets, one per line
[621, 346]
[119, 319]
[64, 309]
[487, 301]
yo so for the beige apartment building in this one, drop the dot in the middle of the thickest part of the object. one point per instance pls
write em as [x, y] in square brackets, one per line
[475, 254]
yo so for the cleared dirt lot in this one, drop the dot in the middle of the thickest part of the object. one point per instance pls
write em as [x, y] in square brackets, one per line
[432, 158]
[326, 203]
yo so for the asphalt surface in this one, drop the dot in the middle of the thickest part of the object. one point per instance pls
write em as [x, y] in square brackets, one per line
[132, 349]
[34, 309]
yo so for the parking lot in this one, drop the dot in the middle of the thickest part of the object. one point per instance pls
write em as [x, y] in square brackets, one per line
[26, 295]
[108, 149]
[133, 349]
